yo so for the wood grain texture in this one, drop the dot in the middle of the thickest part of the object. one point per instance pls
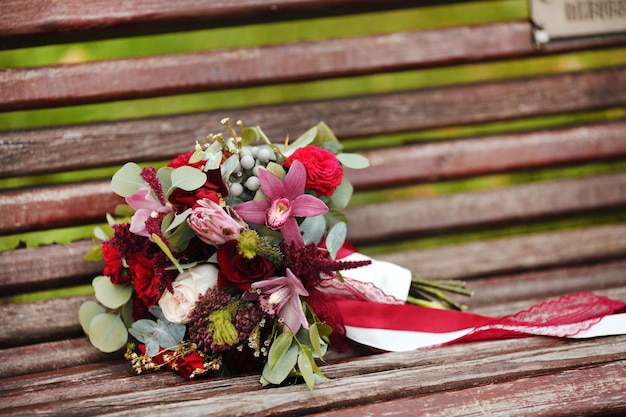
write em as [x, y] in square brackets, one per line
[384, 385]
[102, 144]
[91, 82]
[580, 392]
[443, 160]
[514, 204]
[522, 253]
[27, 23]
[50, 266]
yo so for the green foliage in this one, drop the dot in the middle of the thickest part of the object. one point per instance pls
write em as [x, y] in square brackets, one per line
[107, 332]
[127, 180]
[111, 295]
[159, 334]
[87, 311]
[336, 237]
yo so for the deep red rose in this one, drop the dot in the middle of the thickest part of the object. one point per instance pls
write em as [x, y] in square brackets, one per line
[145, 283]
[323, 170]
[187, 364]
[113, 267]
[182, 200]
[239, 271]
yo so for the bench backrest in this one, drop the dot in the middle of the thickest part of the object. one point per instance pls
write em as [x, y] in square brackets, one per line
[492, 161]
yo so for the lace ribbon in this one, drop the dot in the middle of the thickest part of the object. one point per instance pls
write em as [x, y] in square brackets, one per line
[371, 302]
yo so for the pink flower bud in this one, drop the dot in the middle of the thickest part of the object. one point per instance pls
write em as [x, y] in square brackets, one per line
[215, 225]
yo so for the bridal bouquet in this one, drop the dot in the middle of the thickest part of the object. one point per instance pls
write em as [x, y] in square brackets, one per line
[233, 258]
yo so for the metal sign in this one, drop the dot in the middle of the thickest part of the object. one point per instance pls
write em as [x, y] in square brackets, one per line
[557, 19]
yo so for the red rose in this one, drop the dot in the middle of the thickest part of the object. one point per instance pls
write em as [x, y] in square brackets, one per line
[323, 170]
[113, 267]
[239, 271]
[145, 283]
[187, 364]
[213, 189]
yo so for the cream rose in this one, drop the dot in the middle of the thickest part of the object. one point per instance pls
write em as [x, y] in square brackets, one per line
[187, 287]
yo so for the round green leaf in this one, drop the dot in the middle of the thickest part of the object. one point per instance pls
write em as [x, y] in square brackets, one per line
[107, 332]
[335, 239]
[283, 367]
[111, 295]
[87, 311]
[353, 160]
[342, 195]
[127, 180]
[188, 178]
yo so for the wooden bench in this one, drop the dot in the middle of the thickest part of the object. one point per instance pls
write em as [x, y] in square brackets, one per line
[514, 182]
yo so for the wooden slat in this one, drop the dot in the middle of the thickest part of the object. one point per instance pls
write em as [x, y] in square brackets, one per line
[29, 322]
[40, 321]
[386, 384]
[478, 156]
[522, 253]
[51, 266]
[403, 218]
[574, 392]
[27, 23]
[50, 207]
[29, 88]
[89, 202]
[101, 144]
[513, 287]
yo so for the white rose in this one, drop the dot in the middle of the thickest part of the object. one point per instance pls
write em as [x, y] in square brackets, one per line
[187, 287]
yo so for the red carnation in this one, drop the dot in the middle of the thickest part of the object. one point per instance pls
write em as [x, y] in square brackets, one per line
[146, 284]
[113, 267]
[323, 170]
[239, 271]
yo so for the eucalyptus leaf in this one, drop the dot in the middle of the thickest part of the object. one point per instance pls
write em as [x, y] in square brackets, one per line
[280, 345]
[229, 166]
[164, 174]
[303, 140]
[336, 238]
[196, 156]
[178, 219]
[342, 195]
[127, 180]
[111, 295]
[353, 160]
[179, 240]
[276, 169]
[306, 369]
[188, 178]
[313, 229]
[249, 136]
[324, 135]
[87, 311]
[282, 367]
[100, 234]
[107, 332]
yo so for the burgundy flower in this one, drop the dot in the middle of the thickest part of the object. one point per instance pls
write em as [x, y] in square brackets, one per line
[323, 170]
[145, 281]
[236, 270]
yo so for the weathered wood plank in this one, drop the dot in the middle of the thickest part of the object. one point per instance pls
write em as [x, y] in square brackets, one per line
[500, 153]
[51, 266]
[40, 321]
[506, 255]
[384, 385]
[91, 82]
[402, 218]
[27, 23]
[57, 206]
[596, 390]
[102, 144]
[36, 209]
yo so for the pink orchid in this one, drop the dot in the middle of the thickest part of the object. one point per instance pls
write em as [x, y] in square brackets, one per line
[285, 200]
[145, 207]
[280, 296]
